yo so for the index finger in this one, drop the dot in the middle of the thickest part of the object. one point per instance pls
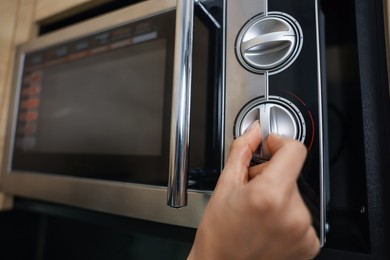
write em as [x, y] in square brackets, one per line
[241, 151]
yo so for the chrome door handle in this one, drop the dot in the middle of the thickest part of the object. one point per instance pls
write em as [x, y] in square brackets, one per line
[181, 103]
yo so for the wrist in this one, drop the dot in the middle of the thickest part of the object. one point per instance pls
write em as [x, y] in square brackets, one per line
[196, 254]
[193, 255]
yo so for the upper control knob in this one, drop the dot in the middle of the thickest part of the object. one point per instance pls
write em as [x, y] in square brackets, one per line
[278, 116]
[269, 43]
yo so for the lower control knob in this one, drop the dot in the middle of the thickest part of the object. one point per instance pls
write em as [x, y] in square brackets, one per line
[276, 116]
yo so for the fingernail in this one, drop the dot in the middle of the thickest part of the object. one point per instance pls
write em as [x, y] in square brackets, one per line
[252, 126]
[276, 136]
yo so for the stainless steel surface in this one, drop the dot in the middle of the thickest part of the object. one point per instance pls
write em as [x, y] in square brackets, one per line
[321, 127]
[181, 102]
[269, 42]
[126, 199]
[241, 84]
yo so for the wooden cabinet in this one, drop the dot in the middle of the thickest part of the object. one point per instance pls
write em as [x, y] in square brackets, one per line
[16, 26]
[45, 9]
[18, 23]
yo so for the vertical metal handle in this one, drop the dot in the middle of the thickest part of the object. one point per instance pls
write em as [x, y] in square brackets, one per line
[181, 101]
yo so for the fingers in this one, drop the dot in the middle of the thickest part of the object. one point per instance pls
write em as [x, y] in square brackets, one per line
[287, 159]
[241, 152]
[310, 245]
[257, 170]
[251, 138]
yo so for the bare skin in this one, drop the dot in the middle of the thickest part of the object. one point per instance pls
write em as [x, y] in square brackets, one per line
[257, 212]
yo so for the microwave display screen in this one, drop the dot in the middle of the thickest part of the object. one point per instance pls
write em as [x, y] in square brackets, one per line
[99, 106]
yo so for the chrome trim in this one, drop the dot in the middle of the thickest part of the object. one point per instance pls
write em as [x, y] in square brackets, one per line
[321, 134]
[181, 104]
[14, 112]
[208, 14]
[223, 87]
[265, 7]
[266, 88]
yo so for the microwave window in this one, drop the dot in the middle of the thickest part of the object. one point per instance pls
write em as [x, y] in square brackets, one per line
[99, 106]
[111, 103]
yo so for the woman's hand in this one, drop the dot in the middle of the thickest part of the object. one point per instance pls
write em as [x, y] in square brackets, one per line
[257, 212]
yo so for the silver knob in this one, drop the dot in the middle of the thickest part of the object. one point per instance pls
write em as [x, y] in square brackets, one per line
[269, 43]
[275, 116]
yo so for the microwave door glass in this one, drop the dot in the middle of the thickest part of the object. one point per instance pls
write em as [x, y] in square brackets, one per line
[99, 106]
[106, 104]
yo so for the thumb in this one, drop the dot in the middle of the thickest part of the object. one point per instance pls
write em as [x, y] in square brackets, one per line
[286, 154]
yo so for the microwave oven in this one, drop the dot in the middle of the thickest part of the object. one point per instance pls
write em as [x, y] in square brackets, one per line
[136, 109]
